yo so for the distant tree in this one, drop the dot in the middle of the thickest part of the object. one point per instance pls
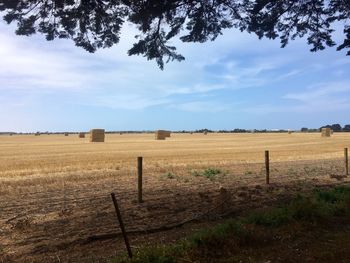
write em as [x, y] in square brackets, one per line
[336, 127]
[326, 126]
[346, 128]
[94, 24]
[239, 130]
[203, 130]
[314, 130]
[304, 129]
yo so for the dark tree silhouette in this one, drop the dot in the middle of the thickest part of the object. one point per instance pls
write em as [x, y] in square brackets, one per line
[336, 127]
[94, 24]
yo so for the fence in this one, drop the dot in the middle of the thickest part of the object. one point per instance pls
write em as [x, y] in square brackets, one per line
[78, 214]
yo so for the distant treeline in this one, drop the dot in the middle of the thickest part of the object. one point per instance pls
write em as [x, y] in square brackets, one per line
[231, 131]
[335, 127]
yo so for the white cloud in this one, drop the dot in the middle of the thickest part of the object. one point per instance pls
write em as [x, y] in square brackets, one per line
[319, 91]
[111, 79]
[289, 74]
[200, 106]
[321, 97]
[126, 102]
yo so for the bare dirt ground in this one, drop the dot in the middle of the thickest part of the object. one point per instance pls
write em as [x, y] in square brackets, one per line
[55, 201]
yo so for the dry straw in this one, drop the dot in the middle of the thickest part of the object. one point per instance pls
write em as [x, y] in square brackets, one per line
[326, 132]
[81, 135]
[66, 134]
[162, 134]
[97, 135]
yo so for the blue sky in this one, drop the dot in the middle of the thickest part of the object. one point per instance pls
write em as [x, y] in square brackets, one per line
[237, 81]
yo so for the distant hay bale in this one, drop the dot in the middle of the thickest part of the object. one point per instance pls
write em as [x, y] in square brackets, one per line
[37, 134]
[289, 132]
[162, 134]
[205, 133]
[331, 131]
[326, 132]
[97, 135]
[66, 134]
[81, 135]
[120, 133]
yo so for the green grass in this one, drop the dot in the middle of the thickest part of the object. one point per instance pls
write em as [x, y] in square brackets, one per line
[210, 173]
[170, 175]
[321, 205]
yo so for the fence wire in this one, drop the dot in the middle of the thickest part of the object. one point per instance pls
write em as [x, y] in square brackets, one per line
[81, 211]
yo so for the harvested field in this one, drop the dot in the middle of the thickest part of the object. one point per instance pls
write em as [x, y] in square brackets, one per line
[54, 190]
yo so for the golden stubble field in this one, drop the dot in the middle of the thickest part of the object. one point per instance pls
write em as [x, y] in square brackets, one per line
[54, 190]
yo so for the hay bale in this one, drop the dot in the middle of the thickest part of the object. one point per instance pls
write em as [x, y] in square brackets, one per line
[97, 135]
[66, 134]
[162, 134]
[205, 133]
[37, 134]
[289, 132]
[326, 132]
[81, 135]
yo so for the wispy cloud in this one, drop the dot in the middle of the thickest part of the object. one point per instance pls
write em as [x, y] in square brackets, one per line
[321, 97]
[57, 76]
[126, 102]
[320, 91]
[200, 106]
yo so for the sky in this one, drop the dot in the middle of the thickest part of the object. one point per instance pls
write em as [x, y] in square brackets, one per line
[237, 81]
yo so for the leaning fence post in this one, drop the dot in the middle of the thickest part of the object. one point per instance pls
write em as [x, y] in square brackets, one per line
[139, 179]
[346, 159]
[267, 167]
[119, 216]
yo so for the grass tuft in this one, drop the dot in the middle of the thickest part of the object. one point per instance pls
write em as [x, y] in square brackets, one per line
[210, 173]
[321, 205]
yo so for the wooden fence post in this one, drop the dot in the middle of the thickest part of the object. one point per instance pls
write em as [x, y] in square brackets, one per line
[119, 216]
[139, 179]
[267, 167]
[346, 159]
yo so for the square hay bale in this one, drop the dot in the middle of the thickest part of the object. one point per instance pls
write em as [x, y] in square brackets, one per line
[205, 133]
[326, 132]
[37, 134]
[289, 132]
[81, 135]
[97, 135]
[162, 134]
[66, 134]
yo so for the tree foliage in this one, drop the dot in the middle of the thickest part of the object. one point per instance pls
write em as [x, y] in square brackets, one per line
[94, 24]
